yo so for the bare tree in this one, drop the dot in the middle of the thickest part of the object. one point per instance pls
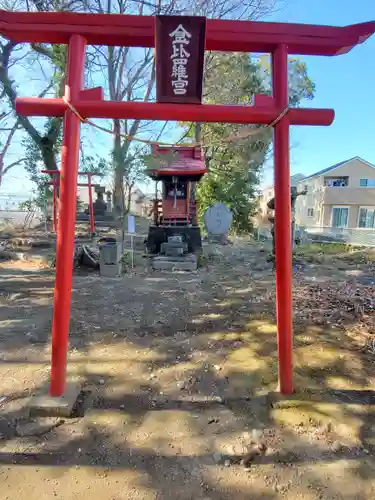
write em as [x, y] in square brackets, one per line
[125, 73]
[7, 133]
[129, 73]
[44, 66]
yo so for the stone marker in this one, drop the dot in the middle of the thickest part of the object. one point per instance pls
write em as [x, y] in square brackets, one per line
[218, 220]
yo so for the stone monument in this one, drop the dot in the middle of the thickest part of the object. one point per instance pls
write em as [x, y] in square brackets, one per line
[218, 220]
[108, 195]
[99, 204]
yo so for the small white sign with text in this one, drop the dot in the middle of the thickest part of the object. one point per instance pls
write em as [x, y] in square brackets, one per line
[131, 230]
[131, 224]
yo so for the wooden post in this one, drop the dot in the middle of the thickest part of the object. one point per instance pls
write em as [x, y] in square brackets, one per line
[283, 247]
[67, 219]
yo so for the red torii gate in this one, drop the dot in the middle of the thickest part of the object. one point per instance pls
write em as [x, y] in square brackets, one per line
[55, 182]
[279, 39]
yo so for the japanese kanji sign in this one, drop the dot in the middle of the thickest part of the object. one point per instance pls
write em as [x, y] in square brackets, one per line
[179, 44]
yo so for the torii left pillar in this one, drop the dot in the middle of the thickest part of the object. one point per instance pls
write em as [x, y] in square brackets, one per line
[67, 216]
[62, 394]
[283, 244]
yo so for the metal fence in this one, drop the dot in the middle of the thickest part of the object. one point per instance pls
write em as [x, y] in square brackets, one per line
[20, 218]
[350, 236]
[364, 237]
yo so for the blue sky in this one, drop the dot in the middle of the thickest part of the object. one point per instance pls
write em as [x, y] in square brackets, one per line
[345, 83]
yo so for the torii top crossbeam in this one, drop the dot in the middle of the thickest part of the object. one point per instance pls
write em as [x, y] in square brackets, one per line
[139, 31]
[222, 35]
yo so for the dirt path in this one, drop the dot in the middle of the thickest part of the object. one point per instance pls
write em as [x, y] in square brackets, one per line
[178, 374]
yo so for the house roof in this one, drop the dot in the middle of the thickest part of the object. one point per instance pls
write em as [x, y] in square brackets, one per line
[294, 179]
[337, 165]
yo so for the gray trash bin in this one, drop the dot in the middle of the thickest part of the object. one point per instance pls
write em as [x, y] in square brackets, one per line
[110, 257]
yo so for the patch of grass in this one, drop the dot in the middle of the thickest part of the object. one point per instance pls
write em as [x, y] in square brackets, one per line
[321, 252]
[208, 256]
[323, 248]
[339, 251]
[7, 229]
[204, 259]
[126, 259]
[360, 256]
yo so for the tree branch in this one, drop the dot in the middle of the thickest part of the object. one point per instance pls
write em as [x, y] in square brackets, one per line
[9, 167]
[135, 124]
[131, 82]
[11, 93]
[41, 49]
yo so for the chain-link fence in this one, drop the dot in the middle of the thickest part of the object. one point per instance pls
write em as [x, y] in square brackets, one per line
[351, 236]
[308, 234]
[20, 218]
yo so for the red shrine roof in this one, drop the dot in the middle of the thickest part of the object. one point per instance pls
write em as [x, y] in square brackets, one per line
[182, 166]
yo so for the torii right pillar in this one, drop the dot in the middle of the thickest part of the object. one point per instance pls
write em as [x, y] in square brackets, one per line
[283, 244]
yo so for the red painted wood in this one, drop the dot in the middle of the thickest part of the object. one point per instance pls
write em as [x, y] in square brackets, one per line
[79, 184]
[283, 225]
[95, 93]
[181, 173]
[56, 182]
[224, 35]
[35, 106]
[57, 172]
[192, 152]
[67, 218]
[54, 194]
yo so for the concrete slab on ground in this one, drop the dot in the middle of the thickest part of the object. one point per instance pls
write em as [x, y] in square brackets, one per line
[186, 263]
[45, 405]
[174, 244]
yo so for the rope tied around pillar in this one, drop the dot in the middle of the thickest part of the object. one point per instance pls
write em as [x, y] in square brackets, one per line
[234, 137]
[75, 111]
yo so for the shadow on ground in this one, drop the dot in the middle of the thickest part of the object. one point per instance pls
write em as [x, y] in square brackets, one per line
[177, 372]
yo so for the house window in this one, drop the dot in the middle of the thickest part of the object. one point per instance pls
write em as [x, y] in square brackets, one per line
[340, 217]
[336, 181]
[366, 217]
[367, 182]
[310, 212]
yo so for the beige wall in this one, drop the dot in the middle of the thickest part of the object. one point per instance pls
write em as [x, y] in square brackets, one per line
[349, 196]
[327, 215]
[322, 198]
[313, 199]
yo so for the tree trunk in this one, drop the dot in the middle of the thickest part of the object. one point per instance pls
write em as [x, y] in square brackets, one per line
[129, 188]
[48, 154]
[118, 174]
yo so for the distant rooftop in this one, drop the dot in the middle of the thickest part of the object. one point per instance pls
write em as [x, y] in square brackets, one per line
[337, 165]
[294, 180]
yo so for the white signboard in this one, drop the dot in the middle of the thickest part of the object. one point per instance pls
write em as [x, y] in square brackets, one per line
[131, 230]
[218, 219]
[131, 224]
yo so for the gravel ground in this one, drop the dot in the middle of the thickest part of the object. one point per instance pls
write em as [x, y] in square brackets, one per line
[178, 374]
